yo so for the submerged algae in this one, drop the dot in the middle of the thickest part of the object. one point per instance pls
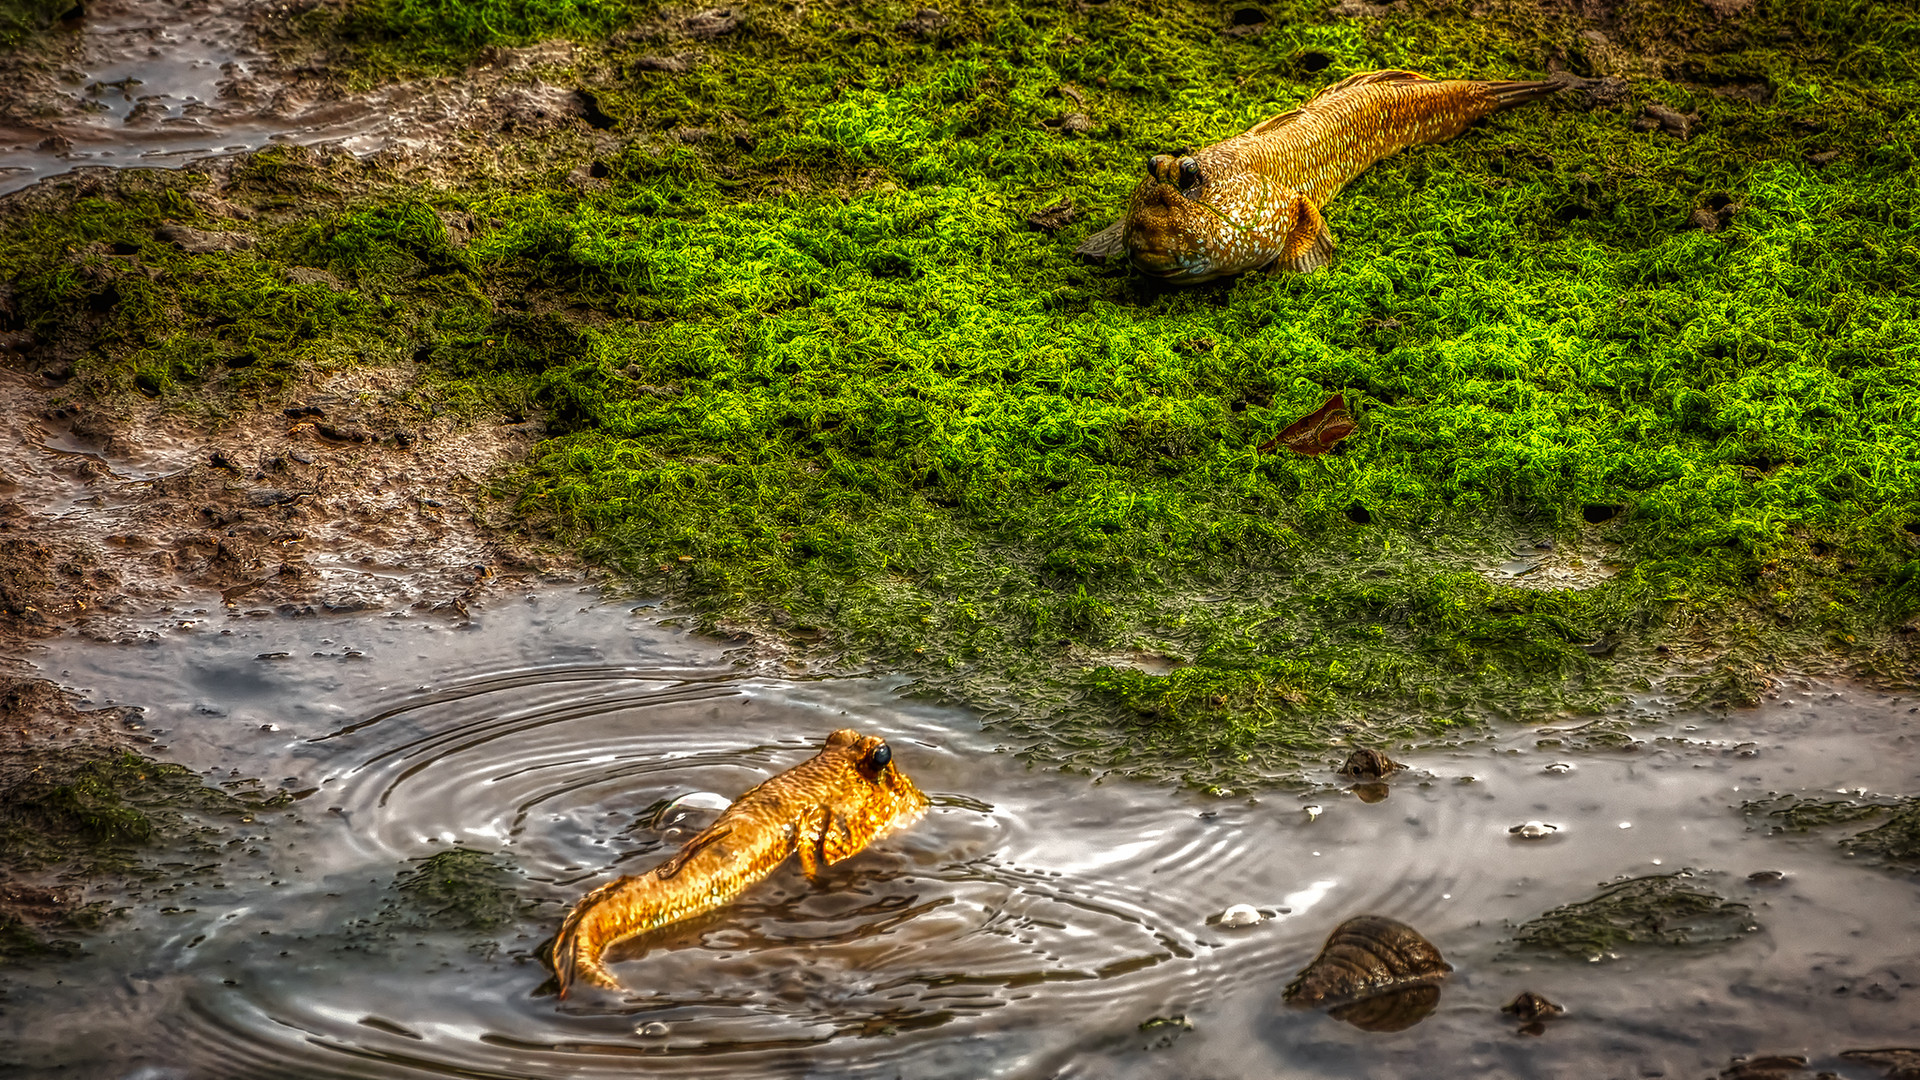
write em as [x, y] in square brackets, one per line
[459, 890]
[804, 366]
[1664, 909]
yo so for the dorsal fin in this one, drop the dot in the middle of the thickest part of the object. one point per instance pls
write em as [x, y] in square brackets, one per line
[679, 861]
[1369, 78]
[1365, 78]
[1272, 122]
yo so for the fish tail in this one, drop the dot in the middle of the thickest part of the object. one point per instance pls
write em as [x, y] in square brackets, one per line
[1505, 95]
[584, 938]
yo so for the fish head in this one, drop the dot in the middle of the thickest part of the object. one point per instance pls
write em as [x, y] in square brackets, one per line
[1173, 232]
[871, 796]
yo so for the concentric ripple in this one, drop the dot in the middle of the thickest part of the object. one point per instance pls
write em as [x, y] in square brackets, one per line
[1028, 926]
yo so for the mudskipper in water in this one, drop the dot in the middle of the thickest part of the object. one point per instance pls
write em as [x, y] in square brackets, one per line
[826, 808]
[1256, 199]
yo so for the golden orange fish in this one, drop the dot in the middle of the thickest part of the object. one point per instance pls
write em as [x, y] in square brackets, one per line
[827, 808]
[1256, 199]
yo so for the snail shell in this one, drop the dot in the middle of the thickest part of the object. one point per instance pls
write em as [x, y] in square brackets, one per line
[1367, 957]
[1369, 764]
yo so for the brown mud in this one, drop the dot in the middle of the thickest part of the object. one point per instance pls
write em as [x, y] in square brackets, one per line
[126, 520]
[161, 84]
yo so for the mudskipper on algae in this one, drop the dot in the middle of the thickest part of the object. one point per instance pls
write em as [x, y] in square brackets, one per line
[1256, 199]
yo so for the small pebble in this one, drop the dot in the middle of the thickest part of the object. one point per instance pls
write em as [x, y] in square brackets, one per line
[653, 1030]
[1534, 830]
[1240, 915]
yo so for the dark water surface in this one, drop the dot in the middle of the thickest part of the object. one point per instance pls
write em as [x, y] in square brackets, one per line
[1026, 928]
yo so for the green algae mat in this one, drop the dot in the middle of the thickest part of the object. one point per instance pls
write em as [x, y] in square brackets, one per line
[1636, 371]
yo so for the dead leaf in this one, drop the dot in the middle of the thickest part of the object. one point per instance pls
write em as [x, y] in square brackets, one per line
[1315, 433]
[1053, 218]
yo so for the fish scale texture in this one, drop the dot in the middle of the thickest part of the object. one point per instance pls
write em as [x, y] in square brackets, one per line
[827, 808]
[1260, 192]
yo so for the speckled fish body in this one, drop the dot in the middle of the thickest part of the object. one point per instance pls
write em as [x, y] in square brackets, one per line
[826, 808]
[1255, 200]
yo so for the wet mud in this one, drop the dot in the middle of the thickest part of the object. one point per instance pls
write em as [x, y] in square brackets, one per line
[454, 786]
[129, 521]
[139, 84]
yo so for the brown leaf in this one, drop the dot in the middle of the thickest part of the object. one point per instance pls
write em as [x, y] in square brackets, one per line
[1053, 218]
[1315, 433]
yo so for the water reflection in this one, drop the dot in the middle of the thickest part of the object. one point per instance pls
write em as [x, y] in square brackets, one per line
[1027, 927]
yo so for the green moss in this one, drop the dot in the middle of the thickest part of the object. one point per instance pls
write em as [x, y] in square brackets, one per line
[804, 365]
[89, 811]
[1663, 910]
[20, 20]
[390, 38]
[461, 890]
[1895, 841]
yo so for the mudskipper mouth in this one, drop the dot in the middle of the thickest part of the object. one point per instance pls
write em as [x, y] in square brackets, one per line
[1160, 264]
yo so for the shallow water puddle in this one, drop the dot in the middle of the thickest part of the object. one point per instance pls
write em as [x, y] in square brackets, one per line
[160, 83]
[1029, 926]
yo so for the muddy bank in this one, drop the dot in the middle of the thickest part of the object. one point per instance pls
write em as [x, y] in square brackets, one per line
[128, 520]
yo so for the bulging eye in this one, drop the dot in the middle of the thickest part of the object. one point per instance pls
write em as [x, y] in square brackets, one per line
[1163, 168]
[1189, 174]
[876, 760]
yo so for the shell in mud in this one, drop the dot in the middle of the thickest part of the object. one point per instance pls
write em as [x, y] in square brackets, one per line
[1367, 763]
[1366, 957]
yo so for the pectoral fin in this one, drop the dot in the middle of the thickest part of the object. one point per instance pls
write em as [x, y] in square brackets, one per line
[694, 846]
[1309, 245]
[810, 837]
[1106, 243]
[838, 842]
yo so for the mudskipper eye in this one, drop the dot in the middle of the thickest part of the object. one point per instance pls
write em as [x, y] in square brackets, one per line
[1163, 168]
[1189, 174]
[876, 759]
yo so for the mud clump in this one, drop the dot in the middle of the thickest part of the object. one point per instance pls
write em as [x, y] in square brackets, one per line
[925, 24]
[1663, 910]
[1900, 1063]
[675, 64]
[1375, 973]
[1658, 117]
[1766, 1067]
[708, 24]
[203, 241]
[1054, 218]
[1533, 1012]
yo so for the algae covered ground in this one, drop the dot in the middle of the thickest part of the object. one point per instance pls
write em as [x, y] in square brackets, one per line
[805, 366]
